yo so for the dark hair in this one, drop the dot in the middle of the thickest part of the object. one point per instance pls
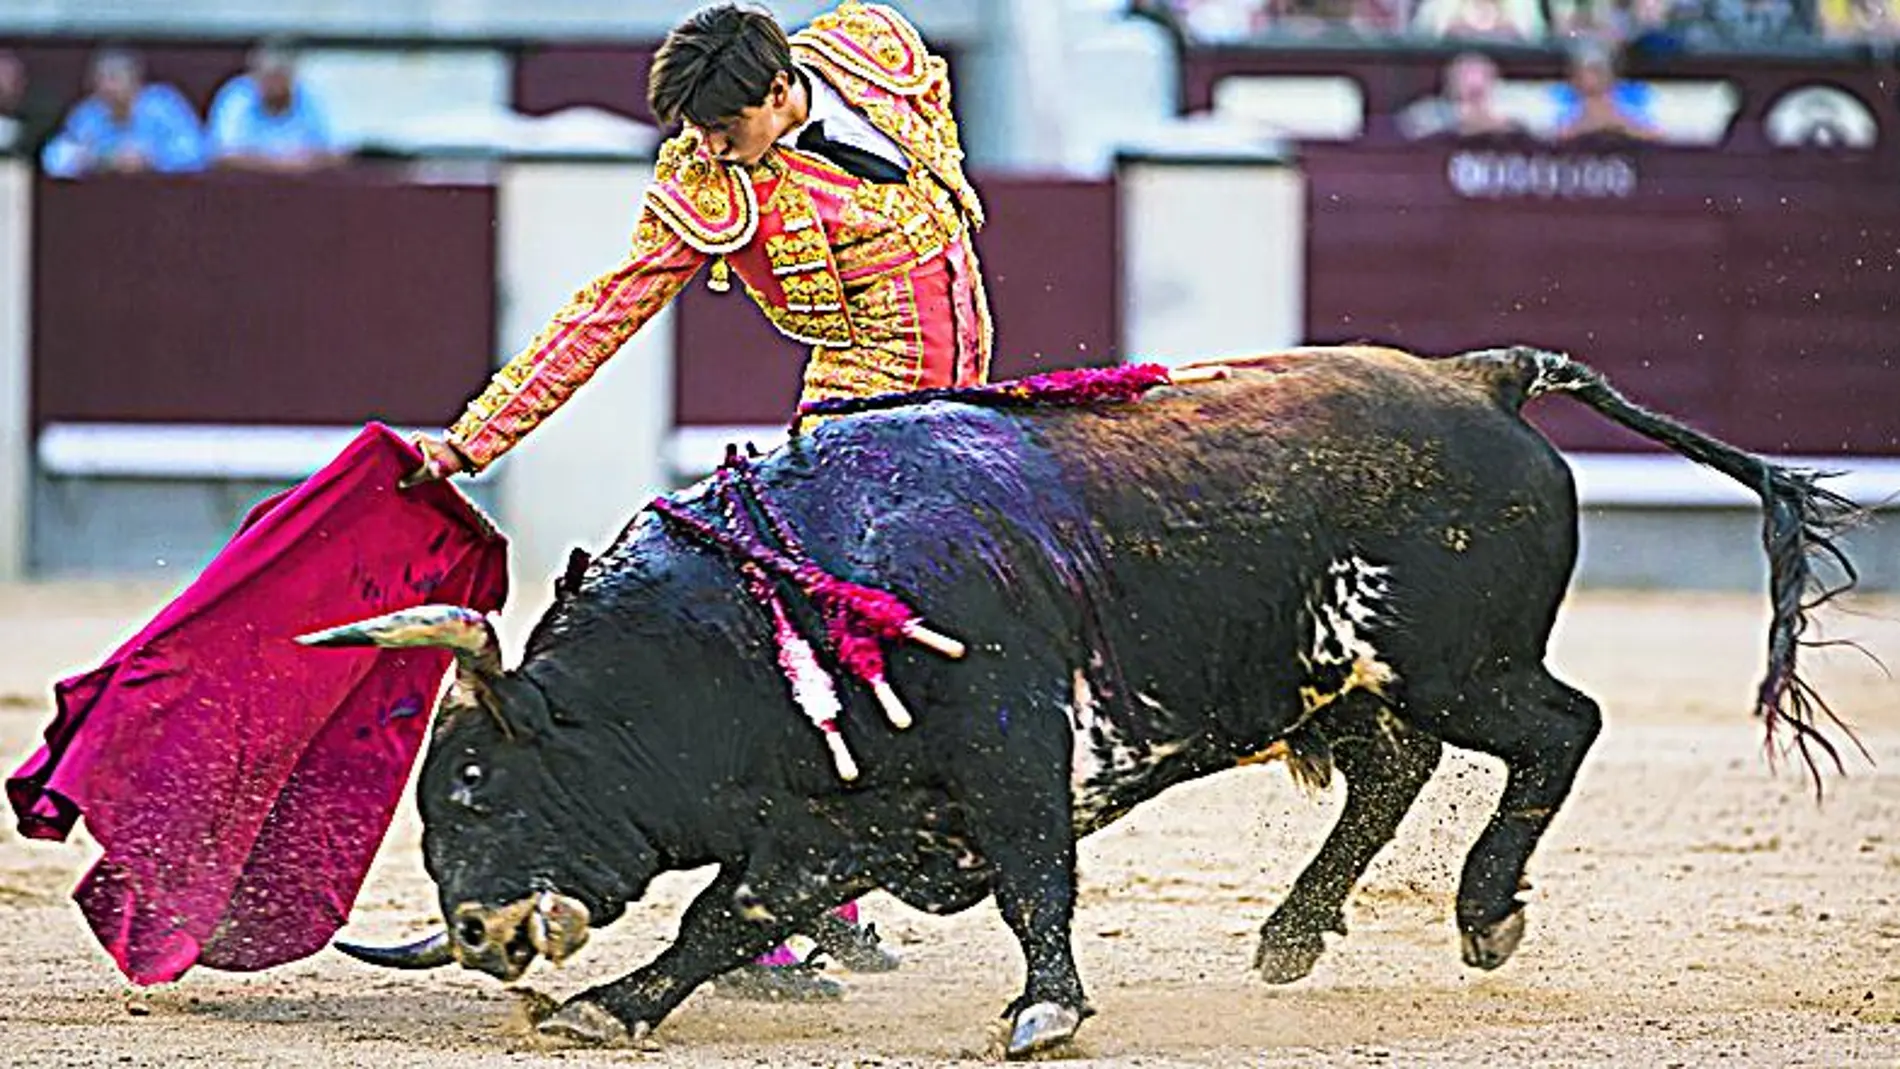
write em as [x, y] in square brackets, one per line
[716, 64]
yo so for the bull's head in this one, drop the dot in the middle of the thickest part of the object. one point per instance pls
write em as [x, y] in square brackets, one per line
[523, 856]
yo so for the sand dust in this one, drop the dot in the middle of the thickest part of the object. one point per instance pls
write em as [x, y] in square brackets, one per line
[1691, 908]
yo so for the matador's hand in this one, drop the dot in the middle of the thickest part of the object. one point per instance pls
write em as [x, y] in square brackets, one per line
[439, 461]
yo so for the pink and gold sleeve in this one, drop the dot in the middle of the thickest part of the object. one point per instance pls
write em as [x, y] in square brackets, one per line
[581, 336]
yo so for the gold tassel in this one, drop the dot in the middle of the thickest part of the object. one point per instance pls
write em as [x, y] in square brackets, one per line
[719, 280]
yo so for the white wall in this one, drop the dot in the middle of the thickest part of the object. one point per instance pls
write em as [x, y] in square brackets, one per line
[16, 215]
[946, 19]
[577, 479]
[1215, 258]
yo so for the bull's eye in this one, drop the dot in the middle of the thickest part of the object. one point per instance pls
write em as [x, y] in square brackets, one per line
[467, 781]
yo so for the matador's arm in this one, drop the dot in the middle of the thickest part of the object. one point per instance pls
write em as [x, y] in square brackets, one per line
[592, 327]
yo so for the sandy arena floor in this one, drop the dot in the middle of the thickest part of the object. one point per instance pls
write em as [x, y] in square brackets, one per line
[1691, 908]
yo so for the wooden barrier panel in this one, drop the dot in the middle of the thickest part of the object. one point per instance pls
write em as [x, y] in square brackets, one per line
[224, 299]
[1754, 295]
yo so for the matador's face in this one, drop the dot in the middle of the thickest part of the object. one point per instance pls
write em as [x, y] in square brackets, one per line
[746, 137]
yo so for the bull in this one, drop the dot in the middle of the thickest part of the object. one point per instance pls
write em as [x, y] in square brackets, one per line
[1348, 557]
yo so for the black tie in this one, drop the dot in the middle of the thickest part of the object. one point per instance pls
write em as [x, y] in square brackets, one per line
[850, 159]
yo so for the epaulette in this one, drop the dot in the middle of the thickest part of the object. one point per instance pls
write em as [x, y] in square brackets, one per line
[875, 43]
[709, 205]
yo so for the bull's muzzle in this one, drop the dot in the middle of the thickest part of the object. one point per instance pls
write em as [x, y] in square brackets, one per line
[503, 941]
[500, 941]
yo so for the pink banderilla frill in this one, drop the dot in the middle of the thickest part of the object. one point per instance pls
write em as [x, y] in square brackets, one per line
[1074, 386]
[811, 685]
[857, 618]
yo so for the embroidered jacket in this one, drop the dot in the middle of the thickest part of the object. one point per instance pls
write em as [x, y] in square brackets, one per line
[880, 279]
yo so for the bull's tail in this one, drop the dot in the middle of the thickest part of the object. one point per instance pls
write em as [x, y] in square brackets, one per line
[1802, 523]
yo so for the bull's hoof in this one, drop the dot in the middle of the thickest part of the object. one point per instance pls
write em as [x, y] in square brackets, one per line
[1283, 958]
[1492, 945]
[1042, 1027]
[587, 1024]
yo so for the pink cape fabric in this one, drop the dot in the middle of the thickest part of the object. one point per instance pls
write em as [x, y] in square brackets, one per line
[240, 783]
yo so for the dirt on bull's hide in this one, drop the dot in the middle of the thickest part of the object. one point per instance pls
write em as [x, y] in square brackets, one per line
[1690, 908]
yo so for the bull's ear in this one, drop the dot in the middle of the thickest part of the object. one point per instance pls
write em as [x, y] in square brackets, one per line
[570, 580]
[518, 705]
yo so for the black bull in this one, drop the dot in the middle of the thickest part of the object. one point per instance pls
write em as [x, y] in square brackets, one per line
[1357, 554]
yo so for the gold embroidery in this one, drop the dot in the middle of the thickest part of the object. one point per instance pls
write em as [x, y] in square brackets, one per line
[921, 124]
[889, 354]
[813, 312]
[813, 292]
[711, 206]
[804, 249]
[873, 42]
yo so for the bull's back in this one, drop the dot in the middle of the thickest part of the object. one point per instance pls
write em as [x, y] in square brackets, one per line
[1367, 440]
[1246, 492]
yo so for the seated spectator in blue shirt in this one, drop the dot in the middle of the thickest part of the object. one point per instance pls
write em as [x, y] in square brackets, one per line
[1593, 103]
[125, 125]
[267, 120]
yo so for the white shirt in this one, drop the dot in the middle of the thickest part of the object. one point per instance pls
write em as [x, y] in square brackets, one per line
[843, 123]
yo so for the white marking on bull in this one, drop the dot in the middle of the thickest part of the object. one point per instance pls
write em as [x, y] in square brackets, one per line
[1348, 606]
[1102, 759]
[1551, 374]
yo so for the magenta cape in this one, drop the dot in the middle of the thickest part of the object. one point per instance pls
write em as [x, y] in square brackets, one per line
[240, 783]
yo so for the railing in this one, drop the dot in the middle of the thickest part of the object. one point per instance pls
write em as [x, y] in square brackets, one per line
[1386, 79]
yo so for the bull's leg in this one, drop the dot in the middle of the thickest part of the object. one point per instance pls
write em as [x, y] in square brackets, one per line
[1029, 838]
[1541, 729]
[1385, 764]
[721, 930]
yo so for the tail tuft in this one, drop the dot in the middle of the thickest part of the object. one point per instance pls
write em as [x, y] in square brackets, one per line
[1802, 525]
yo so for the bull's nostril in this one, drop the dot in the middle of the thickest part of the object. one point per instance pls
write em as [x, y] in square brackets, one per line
[471, 932]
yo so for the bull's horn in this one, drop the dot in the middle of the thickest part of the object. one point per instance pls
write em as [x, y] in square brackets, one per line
[451, 627]
[430, 952]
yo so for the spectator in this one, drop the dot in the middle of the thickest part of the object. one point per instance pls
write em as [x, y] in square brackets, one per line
[1748, 24]
[1380, 18]
[1656, 28]
[1486, 20]
[269, 120]
[1595, 103]
[12, 88]
[1299, 18]
[27, 116]
[1220, 20]
[1466, 105]
[125, 125]
[1860, 20]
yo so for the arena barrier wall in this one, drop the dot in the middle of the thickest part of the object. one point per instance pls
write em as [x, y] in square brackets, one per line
[198, 341]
